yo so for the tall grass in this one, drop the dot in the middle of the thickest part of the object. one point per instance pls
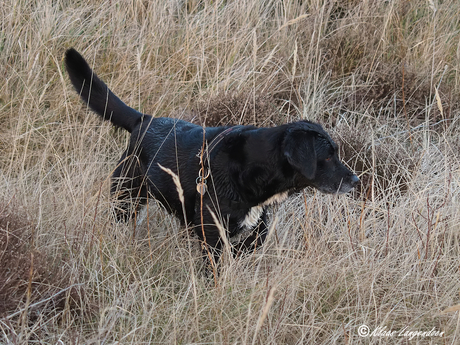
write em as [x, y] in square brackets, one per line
[384, 256]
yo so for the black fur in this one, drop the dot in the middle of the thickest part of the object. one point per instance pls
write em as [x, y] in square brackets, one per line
[248, 165]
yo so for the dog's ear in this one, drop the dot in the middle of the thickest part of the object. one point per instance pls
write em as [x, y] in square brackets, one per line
[299, 149]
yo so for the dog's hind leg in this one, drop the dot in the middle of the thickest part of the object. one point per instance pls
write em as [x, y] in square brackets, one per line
[129, 188]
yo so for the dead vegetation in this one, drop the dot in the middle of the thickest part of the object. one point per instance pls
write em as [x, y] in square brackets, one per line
[381, 76]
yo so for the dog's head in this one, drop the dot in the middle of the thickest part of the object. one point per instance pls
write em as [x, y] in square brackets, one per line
[312, 153]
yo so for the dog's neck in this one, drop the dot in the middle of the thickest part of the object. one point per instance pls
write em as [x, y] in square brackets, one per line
[269, 175]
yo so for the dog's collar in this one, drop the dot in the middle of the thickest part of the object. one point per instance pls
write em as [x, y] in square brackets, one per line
[217, 139]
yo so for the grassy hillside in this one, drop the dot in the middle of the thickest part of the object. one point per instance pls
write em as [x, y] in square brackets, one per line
[382, 76]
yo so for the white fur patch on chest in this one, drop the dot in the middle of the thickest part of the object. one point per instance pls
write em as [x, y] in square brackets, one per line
[253, 216]
[276, 199]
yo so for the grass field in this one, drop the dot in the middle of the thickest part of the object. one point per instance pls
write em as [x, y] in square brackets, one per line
[382, 76]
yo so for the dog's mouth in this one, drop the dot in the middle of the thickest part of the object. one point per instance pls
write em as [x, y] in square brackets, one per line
[344, 186]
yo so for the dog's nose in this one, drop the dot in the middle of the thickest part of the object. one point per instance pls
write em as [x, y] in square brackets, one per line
[354, 180]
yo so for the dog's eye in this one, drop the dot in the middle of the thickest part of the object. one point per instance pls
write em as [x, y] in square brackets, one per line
[328, 159]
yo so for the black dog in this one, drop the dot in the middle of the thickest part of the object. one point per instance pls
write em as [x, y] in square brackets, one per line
[232, 173]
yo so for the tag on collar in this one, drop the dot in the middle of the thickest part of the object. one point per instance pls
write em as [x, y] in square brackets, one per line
[201, 188]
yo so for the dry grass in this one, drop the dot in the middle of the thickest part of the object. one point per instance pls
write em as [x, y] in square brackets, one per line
[386, 256]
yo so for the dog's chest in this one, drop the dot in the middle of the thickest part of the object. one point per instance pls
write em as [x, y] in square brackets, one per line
[252, 218]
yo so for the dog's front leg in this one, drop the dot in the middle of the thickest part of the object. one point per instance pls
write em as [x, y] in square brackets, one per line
[256, 238]
[211, 244]
[207, 229]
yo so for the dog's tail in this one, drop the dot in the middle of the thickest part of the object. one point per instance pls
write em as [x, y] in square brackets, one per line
[97, 95]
